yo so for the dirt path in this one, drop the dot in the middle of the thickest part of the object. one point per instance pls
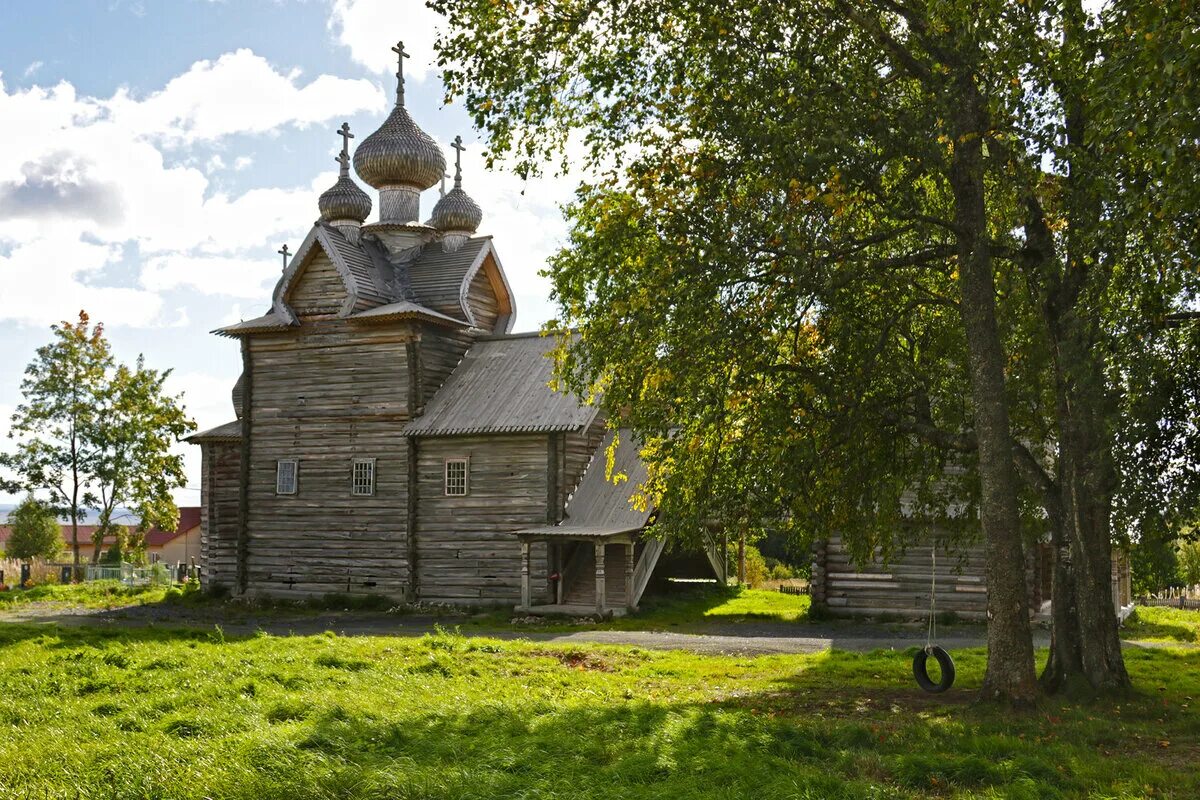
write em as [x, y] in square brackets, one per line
[745, 638]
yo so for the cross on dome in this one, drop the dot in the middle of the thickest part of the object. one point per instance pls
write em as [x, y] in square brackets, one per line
[283, 251]
[400, 56]
[346, 135]
[459, 147]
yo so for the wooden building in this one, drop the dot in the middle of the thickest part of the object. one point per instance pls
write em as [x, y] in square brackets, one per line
[391, 435]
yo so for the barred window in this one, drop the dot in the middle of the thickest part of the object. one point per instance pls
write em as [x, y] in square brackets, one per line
[285, 476]
[457, 474]
[363, 481]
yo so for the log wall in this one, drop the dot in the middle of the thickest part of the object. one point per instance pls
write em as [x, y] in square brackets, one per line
[902, 587]
[466, 551]
[219, 471]
[318, 289]
[325, 394]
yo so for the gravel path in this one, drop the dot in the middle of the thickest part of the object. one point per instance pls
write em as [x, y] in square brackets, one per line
[746, 638]
[740, 638]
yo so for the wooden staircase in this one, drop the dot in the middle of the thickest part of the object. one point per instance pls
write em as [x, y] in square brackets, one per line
[579, 576]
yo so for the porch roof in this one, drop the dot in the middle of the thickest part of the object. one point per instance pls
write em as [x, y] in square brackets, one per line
[601, 508]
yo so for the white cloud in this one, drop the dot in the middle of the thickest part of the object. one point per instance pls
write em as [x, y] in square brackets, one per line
[242, 162]
[242, 93]
[370, 28]
[33, 67]
[48, 279]
[234, 276]
[83, 178]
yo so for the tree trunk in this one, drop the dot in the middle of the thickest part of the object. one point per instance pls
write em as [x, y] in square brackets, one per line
[1010, 669]
[1088, 482]
[1084, 406]
[1064, 665]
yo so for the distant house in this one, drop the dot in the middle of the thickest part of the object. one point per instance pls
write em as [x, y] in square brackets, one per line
[168, 547]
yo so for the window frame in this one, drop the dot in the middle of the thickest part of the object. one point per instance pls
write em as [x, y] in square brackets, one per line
[465, 461]
[354, 484]
[295, 463]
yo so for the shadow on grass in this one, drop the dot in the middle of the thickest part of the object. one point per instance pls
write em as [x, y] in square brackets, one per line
[1156, 623]
[604, 723]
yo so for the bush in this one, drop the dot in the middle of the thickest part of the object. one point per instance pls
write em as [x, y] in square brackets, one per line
[757, 572]
[35, 532]
[782, 572]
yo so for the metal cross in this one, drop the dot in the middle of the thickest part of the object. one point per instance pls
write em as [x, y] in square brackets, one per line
[284, 252]
[459, 146]
[400, 56]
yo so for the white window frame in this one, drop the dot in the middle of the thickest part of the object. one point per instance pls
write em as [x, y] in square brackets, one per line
[466, 476]
[365, 488]
[279, 467]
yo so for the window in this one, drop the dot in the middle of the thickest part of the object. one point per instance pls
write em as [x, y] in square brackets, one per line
[457, 470]
[363, 479]
[285, 476]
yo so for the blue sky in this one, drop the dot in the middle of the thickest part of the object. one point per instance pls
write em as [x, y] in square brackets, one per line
[156, 154]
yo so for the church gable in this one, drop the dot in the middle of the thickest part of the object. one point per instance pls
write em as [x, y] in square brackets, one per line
[482, 299]
[318, 289]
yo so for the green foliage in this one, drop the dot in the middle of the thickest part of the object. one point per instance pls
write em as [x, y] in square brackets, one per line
[1163, 624]
[95, 434]
[1188, 559]
[34, 532]
[757, 571]
[268, 717]
[1153, 565]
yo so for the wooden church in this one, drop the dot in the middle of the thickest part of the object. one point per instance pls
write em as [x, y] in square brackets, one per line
[393, 436]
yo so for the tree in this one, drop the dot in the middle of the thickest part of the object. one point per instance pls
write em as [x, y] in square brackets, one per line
[54, 424]
[97, 435]
[34, 532]
[1189, 562]
[877, 218]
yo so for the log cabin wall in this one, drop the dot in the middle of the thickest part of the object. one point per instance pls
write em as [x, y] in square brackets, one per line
[325, 394]
[579, 449]
[220, 466]
[901, 588]
[467, 554]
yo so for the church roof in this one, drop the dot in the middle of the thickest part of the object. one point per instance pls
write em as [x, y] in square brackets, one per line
[229, 432]
[440, 278]
[502, 385]
[600, 508]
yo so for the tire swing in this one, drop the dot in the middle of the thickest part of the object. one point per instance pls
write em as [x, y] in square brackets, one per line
[921, 659]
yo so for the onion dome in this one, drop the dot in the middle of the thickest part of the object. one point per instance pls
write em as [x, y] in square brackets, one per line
[399, 153]
[344, 200]
[456, 211]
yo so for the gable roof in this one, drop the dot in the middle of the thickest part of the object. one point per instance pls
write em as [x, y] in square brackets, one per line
[600, 507]
[441, 279]
[502, 385]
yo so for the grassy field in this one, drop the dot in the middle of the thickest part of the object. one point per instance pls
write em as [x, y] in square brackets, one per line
[94, 594]
[88, 713]
[1153, 624]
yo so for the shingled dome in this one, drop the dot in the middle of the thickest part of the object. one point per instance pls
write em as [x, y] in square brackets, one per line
[399, 154]
[456, 211]
[344, 200]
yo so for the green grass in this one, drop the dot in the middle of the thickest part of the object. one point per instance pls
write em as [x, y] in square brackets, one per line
[679, 608]
[1154, 623]
[87, 713]
[93, 594]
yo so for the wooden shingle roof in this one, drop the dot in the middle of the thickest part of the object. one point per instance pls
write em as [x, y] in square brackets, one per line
[600, 507]
[229, 432]
[502, 385]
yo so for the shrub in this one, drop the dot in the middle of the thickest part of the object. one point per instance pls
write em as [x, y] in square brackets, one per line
[782, 572]
[757, 572]
[35, 532]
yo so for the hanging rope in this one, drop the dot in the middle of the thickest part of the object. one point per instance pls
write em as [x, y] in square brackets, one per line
[945, 663]
[931, 630]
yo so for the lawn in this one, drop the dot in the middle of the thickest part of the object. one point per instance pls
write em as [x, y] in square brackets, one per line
[93, 594]
[1151, 624]
[89, 713]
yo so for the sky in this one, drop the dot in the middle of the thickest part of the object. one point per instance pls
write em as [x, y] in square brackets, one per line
[157, 153]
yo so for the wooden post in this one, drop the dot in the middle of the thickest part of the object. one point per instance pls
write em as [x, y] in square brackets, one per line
[241, 573]
[601, 586]
[629, 604]
[525, 574]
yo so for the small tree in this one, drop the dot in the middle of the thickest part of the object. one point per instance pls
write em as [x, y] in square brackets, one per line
[1188, 553]
[97, 435]
[35, 532]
